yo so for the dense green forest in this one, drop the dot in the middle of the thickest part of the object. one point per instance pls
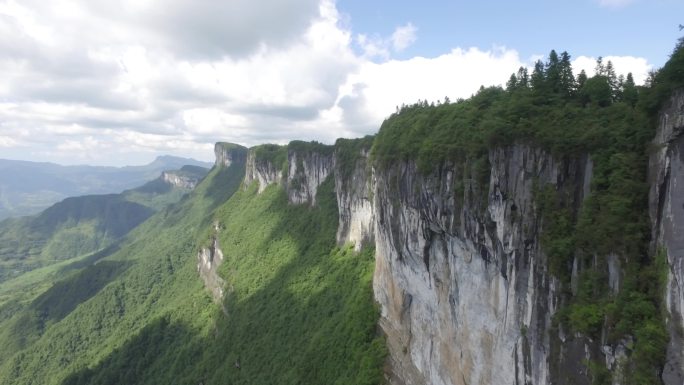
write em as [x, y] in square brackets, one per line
[299, 309]
[606, 116]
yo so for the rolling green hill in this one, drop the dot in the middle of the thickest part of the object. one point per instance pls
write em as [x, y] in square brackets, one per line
[142, 316]
[26, 188]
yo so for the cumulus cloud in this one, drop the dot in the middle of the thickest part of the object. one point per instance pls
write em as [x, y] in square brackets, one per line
[377, 89]
[382, 47]
[121, 82]
[403, 37]
[639, 67]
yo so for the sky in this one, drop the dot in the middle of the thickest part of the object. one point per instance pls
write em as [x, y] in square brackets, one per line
[119, 83]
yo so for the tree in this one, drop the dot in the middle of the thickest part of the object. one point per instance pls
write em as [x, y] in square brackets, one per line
[611, 76]
[553, 73]
[600, 69]
[512, 83]
[538, 76]
[581, 79]
[567, 78]
[630, 94]
[596, 90]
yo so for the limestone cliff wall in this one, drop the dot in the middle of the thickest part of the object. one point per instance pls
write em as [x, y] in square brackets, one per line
[307, 169]
[229, 153]
[355, 201]
[261, 171]
[179, 180]
[208, 261]
[666, 175]
[460, 275]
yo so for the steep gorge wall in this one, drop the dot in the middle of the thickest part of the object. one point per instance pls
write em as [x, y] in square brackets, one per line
[462, 279]
[666, 175]
[460, 275]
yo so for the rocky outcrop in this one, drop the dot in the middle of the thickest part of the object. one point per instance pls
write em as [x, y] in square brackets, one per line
[208, 261]
[229, 153]
[354, 185]
[666, 173]
[180, 180]
[260, 170]
[308, 166]
[460, 275]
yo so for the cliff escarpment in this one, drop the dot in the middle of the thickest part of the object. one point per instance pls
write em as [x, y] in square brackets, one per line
[530, 256]
[667, 216]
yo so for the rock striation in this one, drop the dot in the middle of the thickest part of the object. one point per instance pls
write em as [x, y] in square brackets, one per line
[464, 286]
[208, 261]
[666, 196]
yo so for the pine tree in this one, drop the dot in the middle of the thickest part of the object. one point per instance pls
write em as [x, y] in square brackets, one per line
[567, 78]
[512, 83]
[538, 76]
[523, 78]
[600, 69]
[581, 79]
[630, 94]
[612, 80]
[553, 73]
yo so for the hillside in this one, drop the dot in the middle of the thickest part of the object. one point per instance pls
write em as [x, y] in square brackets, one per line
[526, 235]
[27, 188]
[77, 227]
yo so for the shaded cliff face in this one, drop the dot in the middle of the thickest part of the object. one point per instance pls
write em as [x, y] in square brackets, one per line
[302, 167]
[263, 171]
[666, 176]
[355, 199]
[460, 275]
[208, 261]
[229, 153]
[307, 169]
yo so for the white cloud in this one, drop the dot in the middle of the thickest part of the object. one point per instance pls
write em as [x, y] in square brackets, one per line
[639, 67]
[403, 37]
[376, 90]
[382, 47]
[87, 80]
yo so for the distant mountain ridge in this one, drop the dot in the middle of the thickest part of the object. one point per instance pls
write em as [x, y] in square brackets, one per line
[29, 187]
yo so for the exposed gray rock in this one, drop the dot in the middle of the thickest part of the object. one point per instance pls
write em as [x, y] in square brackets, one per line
[666, 174]
[263, 172]
[306, 171]
[229, 153]
[355, 203]
[208, 261]
[180, 180]
[462, 281]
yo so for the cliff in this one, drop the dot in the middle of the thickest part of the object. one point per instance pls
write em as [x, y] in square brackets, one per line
[511, 261]
[666, 177]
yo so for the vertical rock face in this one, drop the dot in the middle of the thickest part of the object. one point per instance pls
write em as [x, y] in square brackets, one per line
[262, 171]
[174, 178]
[666, 173]
[208, 261]
[307, 169]
[229, 153]
[355, 201]
[463, 284]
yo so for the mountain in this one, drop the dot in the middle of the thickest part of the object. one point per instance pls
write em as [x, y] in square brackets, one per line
[29, 187]
[528, 235]
[79, 226]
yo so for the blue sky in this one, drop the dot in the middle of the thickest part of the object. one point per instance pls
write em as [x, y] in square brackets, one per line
[646, 28]
[115, 83]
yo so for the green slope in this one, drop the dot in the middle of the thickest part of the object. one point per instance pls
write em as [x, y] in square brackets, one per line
[298, 309]
[78, 226]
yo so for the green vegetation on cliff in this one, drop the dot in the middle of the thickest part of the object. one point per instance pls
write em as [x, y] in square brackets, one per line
[605, 117]
[297, 308]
